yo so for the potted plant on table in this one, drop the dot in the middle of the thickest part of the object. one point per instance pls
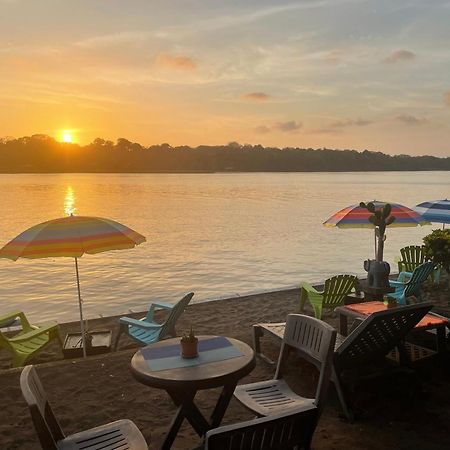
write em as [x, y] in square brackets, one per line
[189, 345]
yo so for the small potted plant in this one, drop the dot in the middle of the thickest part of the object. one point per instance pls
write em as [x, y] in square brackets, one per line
[390, 302]
[189, 345]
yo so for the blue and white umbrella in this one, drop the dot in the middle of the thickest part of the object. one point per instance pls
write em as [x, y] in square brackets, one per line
[435, 211]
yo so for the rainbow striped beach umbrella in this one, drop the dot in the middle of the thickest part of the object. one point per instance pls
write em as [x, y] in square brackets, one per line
[72, 236]
[435, 211]
[357, 217]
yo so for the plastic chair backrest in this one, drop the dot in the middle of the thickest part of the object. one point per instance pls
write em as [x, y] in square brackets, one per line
[276, 432]
[378, 335]
[419, 276]
[337, 288]
[412, 256]
[314, 341]
[169, 325]
[44, 420]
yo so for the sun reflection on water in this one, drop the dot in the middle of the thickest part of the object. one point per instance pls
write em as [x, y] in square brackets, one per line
[69, 201]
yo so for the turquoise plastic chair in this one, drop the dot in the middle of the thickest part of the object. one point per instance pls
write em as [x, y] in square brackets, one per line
[409, 284]
[146, 330]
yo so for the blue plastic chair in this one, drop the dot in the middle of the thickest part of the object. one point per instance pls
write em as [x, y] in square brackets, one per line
[409, 284]
[146, 330]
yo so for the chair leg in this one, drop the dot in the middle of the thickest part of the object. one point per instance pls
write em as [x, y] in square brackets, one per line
[119, 333]
[257, 333]
[340, 392]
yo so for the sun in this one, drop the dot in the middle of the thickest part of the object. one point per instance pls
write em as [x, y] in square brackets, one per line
[67, 136]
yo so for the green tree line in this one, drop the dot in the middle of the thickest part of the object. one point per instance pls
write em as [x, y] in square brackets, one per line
[43, 154]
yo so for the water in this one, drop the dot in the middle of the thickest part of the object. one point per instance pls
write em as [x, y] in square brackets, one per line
[215, 234]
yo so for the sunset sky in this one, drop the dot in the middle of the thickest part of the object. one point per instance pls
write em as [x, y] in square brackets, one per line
[335, 73]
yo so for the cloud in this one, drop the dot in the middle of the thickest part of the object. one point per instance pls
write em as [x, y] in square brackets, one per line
[350, 123]
[114, 39]
[262, 129]
[411, 120]
[289, 126]
[256, 96]
[447, 98]
[399, 56]
[176, 62]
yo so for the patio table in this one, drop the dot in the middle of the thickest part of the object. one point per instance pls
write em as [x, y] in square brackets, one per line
[363, 310]
[223, 363]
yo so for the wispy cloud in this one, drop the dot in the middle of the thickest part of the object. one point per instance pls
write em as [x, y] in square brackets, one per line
[289, 126]
[447, 98]
[256, 96]
[400, 56]
[411, 120]
[262, 129]
[176, 62]
[120, 38]
[350, 123]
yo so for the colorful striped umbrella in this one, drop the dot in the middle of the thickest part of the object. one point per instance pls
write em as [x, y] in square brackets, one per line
[435, 211]
[357, 217]
[72, 236]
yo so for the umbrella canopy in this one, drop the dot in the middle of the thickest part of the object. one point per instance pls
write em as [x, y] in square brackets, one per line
[72, 236]
[435, 210]
[355, 216]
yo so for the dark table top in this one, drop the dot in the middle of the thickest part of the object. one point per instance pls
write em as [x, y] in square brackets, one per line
[205, 376]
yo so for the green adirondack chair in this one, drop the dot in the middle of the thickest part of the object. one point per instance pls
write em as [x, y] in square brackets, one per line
[412, 257]
[29, 340]
[333, 295]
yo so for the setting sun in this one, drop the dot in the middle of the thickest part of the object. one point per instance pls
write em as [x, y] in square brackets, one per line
[67, 136]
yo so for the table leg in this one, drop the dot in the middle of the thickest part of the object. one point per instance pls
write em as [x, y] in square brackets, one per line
[343, 324]
[190, 411]
[173, 430]
[440, 340]
[222, 404]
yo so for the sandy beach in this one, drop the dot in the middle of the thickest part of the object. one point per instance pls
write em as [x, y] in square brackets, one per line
[405, 412]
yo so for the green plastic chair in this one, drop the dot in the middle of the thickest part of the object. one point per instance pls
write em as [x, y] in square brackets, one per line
[333, 295]
[29, 340]
[411, 258]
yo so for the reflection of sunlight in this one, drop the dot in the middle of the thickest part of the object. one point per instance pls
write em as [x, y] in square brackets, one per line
[69, 201]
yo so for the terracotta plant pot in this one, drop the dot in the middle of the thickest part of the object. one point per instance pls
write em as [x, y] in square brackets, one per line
[189, 348]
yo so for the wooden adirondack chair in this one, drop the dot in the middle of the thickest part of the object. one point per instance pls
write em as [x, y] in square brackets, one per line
[333, 295]
[412, 257]
[31, 339]
[371, 341]
[313, 340]
[121, 434]
[409, 284]
[146, 330]
[285, 431]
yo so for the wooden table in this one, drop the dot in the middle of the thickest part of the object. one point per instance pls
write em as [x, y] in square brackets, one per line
[363, 310]
[183, 383]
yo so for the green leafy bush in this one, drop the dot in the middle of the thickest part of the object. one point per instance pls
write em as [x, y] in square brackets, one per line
[437, 248]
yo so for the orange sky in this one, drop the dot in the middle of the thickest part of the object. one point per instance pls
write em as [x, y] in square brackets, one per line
[315, 73]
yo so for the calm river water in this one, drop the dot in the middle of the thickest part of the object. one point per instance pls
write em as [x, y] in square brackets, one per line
[215, 234]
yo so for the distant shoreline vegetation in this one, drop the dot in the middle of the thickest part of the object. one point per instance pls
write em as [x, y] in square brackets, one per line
[43, 154]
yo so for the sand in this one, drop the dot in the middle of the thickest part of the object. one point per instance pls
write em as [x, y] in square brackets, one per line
[402, 412]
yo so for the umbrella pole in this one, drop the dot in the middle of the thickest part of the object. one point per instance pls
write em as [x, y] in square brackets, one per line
[375, 242]
[80, 304]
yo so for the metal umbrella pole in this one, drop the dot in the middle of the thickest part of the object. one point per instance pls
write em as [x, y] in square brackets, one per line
[80, 304]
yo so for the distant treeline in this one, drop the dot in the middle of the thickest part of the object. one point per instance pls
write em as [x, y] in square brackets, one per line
[41, 153]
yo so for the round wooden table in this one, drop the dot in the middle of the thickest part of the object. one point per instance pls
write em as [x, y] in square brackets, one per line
[183, 383]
